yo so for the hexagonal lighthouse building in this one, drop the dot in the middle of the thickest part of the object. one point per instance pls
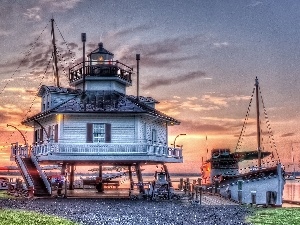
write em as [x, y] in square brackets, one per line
[95, 123]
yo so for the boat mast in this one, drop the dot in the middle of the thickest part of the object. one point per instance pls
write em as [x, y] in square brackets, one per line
[258, 124]
[55, 67]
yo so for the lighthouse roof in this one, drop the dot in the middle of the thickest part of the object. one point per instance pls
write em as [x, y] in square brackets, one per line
[53, 89]
[104, 102]
[101, 50]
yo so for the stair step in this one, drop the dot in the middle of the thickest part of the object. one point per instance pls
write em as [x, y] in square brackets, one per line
[39, 186]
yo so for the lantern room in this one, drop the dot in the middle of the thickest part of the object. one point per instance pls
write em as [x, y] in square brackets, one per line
[101, 73]
[100, 56]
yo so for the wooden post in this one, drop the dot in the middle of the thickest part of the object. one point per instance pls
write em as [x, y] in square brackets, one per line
[100, 186]
[140, 178]
[181, 184]
[62, 173]
[71, 179]
[130, 177]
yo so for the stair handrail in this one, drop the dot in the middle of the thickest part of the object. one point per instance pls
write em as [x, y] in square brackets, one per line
[41, 173]
[24, 170]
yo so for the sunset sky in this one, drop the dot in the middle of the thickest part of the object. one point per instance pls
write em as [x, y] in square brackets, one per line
[199, 59]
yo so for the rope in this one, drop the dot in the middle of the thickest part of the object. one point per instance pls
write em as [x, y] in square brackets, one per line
[10, 79]
[271, 136]
[29, 110]
[270, 133]
[72, 55]
[30, 50]
[242, 134]
[61, 63]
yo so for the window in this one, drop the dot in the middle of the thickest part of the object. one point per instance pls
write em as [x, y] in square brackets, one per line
[154, 136]
[98, 133]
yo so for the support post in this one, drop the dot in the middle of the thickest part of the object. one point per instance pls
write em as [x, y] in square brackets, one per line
[60, 184]
[140, 178]
[130, 177]
[71, 179]
[99, 181]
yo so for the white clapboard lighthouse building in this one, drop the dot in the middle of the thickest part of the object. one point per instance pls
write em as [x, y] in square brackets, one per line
[95, 123]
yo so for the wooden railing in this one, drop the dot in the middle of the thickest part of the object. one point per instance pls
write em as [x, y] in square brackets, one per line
[107, 148]
[106, 68]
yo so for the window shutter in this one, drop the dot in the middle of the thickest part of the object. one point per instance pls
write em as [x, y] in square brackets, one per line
[35, 136]
[49, 132]
[56, 133]
[41, 135]
[107, 132]
[89, 133]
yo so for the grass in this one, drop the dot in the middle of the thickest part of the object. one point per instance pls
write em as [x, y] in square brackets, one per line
[18, 217]
[279, 216]
[4, 195]
[21, 217]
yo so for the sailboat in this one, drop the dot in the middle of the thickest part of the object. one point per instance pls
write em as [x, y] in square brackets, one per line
[261, 184]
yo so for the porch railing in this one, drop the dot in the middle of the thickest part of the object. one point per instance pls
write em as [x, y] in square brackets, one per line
[106, 148]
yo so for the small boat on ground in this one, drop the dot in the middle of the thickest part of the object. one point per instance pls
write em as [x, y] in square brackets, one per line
[225, 171]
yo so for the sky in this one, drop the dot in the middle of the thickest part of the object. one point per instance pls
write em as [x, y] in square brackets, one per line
[199, 59]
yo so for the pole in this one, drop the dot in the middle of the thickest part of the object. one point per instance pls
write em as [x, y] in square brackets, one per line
[54, 53]
[258, 124]
[8, 125]
[83, 39]
[176, 138]
[137, 76]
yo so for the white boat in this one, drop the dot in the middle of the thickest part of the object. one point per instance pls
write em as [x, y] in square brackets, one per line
[261, 184]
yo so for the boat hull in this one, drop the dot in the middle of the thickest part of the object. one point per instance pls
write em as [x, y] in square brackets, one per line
[263, 187]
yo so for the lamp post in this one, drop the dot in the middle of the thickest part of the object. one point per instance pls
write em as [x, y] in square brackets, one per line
[176, 138]
[8, 125]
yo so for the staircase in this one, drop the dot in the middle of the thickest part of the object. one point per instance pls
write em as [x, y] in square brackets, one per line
[31, 171]
[39, 186]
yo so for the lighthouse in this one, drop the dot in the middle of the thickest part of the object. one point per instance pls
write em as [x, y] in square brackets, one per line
[95, 123]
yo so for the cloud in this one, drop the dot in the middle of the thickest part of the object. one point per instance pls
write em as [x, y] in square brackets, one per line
[132, 30]
[33, 14]
[220, 45]
[255, 3]
[60, 5]
[191, 98]
[158, 54]
[288, 135]
[175, 80]
[201, 127]
[224, 100]
[166, 46]
[198, 107]
[4, 33]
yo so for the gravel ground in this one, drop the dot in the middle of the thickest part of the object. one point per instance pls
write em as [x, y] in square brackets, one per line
[139, 212]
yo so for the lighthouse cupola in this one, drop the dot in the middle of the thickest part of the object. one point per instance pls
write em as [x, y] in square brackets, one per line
[100, 55]
[101, 73]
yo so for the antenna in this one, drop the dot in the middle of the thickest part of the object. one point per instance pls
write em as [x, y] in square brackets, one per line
[54, 54]
[83, 39]
[137, 74]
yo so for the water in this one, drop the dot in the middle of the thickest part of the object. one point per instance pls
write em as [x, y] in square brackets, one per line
[291, 190]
